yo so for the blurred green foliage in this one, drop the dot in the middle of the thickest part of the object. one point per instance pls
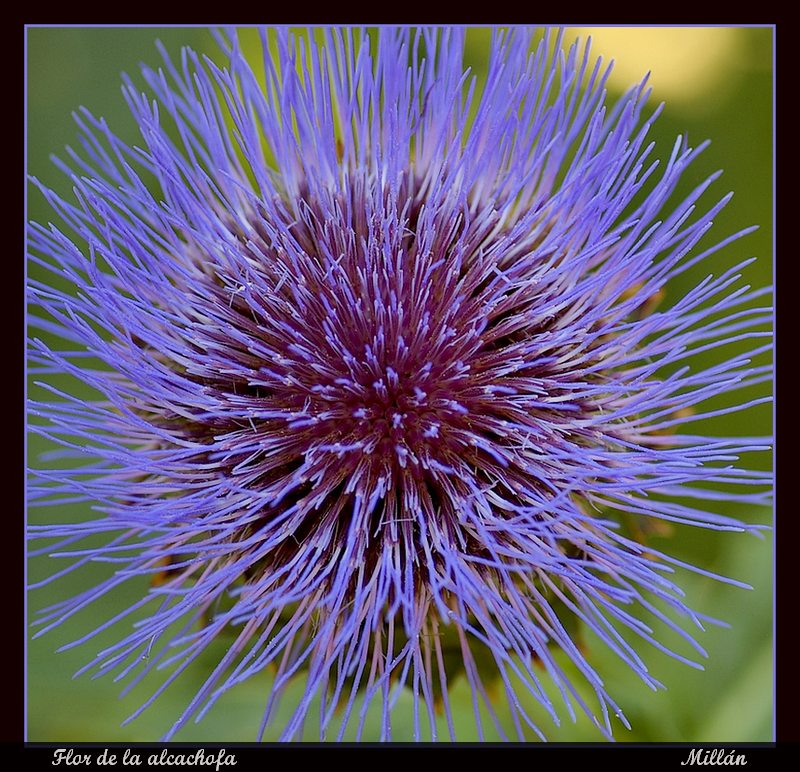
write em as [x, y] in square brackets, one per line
[732, 700]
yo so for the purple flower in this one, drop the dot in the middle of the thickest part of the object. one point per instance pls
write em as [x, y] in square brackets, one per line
[383, 388]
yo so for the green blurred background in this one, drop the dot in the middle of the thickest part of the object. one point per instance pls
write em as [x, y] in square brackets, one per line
[717, 83]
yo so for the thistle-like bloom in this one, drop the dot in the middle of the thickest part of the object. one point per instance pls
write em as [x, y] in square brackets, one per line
[383, 391]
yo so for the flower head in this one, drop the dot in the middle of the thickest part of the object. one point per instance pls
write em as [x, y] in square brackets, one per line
[383, 389]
